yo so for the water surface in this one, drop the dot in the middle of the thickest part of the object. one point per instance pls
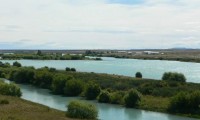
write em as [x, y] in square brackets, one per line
[149, 68]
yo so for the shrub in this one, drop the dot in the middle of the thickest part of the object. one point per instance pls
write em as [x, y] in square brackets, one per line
[104, 97]
[92, 91]
[185, 103]
[81, 110]
[73, 87]
[4, 101]
[67, 69]
[10, 89]
[132, 98]
[43, 78]
[59, 82]
[117, 97]
[138, 75]
[169, 76]
[17, 64]
[73, 69]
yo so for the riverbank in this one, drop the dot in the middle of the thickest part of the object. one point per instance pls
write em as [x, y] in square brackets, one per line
[69, 83]
[19, 109]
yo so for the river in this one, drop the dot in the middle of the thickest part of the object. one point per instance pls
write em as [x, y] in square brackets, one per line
[153, 69]
[106, 111]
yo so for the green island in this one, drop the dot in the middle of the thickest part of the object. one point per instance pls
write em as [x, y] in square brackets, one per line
[171, 95]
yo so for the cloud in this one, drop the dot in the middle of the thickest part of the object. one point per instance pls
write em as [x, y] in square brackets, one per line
[99, 24]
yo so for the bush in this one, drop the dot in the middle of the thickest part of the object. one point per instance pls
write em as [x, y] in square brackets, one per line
[4, 101]
[73, 69]
[92, 91]
[10, 89]
[104, 97]
[185, 103]
[59, 82]
[17, 64]
[117, 97]
[73, 87]
[24, 75]
[132, 98]
[43, 78]
[81, 110]
[169, 76]
[138, 75]
[67, 69]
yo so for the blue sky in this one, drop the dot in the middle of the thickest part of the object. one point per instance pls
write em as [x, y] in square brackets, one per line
[99, 24]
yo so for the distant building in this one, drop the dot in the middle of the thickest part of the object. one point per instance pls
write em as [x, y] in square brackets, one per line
[8, 53]
[151, 52]
[122, 51]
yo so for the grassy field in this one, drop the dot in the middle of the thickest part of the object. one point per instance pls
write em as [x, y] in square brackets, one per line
[19, 109]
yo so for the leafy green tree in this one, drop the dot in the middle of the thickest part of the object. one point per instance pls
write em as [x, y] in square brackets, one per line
[43, 78]
[170, 76]
[132, 98]
[67, 69]
[92, 91]
[73, 69]
[81, 110]
[24, 75]
[17, 64]
[10, 89]
[73, 87]
[104, 97]
[138, 75]
[59, 82]
[185, 102]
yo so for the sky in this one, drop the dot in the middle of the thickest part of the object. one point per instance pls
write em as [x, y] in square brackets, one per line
[99, 24]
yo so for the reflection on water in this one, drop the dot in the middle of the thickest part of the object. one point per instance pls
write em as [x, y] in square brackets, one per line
[106, 111]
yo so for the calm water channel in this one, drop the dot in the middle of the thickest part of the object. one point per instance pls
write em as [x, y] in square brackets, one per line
[106, 111]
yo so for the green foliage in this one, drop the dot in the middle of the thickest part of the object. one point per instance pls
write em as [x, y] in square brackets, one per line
[104, 97]
[43, 78]
[185, 103]
[23, 75]
[73, 87]
[170, 76]
[132, 98]
[92, 91]
[117, 97]
[81, 110]
[58, 83]
[67, 69]
[17, 64]
[138, 75]
[4, 101]
[73, 69]
[9, 89]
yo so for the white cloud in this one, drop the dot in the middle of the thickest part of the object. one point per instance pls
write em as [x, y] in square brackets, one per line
[97, 24]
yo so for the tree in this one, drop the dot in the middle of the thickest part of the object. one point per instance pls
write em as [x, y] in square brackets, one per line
[132, 98]
[17, 64]
[43, 78]
[73, 69]
[67, 69]
[58, 83]
[73, 87]
[23, 75]
[170, 76]
[92, 91]
[138, 75]
[39, 52]
[81, 110]
[104, 97]
[185, 102]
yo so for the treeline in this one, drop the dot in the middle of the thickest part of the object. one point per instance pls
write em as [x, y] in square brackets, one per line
[127, 91]
[43, 57]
